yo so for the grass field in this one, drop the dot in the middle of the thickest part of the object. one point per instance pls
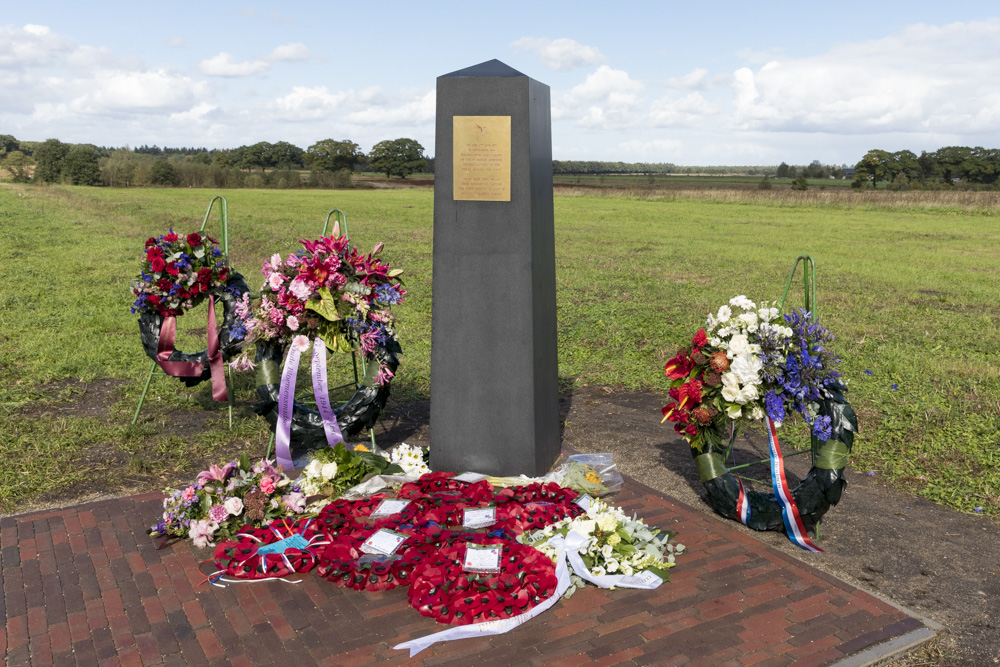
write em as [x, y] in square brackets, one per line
[908, 281]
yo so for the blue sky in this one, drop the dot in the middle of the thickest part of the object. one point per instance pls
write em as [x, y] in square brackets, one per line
[720, 83]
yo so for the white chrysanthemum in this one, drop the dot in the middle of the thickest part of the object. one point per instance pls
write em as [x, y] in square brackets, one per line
[714, 341]
[724, 313]
[607, 522]
[729, 379]
[748, 319]
[747, 368]
[329, 470]
[757, 413]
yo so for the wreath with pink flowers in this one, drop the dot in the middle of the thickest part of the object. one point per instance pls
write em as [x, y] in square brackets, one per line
[331, 291]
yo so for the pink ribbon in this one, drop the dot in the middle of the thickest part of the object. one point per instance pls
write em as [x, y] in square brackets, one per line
[165, 347]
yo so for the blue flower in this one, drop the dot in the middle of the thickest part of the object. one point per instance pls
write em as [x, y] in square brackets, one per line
[977, 509]
[823, 427]
[867, 372]
[775, 406]
[237, 331]
[387, 294]
[894, 386]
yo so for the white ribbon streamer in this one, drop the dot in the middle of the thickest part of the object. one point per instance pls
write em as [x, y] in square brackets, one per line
[570, 547]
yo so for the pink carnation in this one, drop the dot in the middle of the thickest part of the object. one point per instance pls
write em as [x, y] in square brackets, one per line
[267, 485]
[292, 322]
[275, 280]
[218, 513]
[300, 289]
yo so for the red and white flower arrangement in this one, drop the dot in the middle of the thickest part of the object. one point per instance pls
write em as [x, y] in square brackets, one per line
[177, 272]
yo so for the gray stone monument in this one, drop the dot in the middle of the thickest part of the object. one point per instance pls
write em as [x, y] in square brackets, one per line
[494, 370]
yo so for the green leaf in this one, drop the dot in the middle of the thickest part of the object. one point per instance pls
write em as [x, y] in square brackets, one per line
[325, 306]
[335, 341]
[395, 272]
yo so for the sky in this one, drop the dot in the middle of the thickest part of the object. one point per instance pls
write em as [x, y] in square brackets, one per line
[723, 83]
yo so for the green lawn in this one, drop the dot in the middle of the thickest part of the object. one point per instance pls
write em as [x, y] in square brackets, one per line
[911, 291]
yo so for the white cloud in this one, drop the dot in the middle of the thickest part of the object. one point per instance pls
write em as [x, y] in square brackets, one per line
[656, 150]
[308, 103]
[560, 54]
[150, 91]
[224, 65]
[292, 52]
[697, 79]
[687, 111]
[399, 112]
[606, 98]
[199, 113]
[911, 82]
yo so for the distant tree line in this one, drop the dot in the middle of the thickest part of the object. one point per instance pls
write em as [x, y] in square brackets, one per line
[327, 163]
[949, 167]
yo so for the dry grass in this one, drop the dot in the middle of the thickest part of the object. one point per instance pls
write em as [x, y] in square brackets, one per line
[985, 202]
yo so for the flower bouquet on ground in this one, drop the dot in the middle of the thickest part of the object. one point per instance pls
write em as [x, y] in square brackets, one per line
[226, 498]
[333, 470]
[615, 544]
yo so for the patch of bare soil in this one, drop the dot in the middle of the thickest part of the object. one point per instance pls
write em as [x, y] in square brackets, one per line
[935, 561]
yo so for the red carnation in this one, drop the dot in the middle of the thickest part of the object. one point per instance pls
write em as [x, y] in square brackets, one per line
[679, 366]
[194, 239]
[171, 237]
[154, 252]
[150, 242]
[172, 269]
[154, 299]
[156, 264]
[164, 284]
[700, 339]
[205, 276]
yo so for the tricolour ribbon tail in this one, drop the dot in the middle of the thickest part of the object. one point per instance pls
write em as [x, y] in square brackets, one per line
[789, 510]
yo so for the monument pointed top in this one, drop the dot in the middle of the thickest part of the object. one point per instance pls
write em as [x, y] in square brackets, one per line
[489, 68]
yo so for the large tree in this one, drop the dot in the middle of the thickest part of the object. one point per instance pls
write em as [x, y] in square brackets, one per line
[399, 156]
[81, 167]
[332, 155]
[49, 157]
[18, 164]
[284, 155]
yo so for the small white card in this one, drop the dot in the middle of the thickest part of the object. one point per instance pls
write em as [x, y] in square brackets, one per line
[535, 537]
[388, 507]
[583, 501]
[483, 558]
[383, 542]
[469, 477]
[644, 579]
[479, 517]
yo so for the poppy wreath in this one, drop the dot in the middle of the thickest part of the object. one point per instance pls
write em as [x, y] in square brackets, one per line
[550, 492]
[360, 412]
[444, 591]
[440, 488]
[517, 518]
[275, 550]
[178, 273]
[343, 517]
[343, 563]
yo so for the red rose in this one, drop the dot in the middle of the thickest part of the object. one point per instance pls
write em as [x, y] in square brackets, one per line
[194, 239]
[679, 366]
[171, 237]
[700, 339]
[153, 253]
[156, 265]
[223, 273]
[172, 269]
[195, 290]
[150, 242]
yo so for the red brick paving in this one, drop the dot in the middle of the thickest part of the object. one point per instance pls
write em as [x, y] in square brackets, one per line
[85, 586]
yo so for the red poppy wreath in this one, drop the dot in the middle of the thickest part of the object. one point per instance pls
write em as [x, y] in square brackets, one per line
[444, 590]
[275, 550]
[344, 517]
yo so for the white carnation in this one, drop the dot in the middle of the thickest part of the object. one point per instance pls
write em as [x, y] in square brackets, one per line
[724, 313]
[329, 470]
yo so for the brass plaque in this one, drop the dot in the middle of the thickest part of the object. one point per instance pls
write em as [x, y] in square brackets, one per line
[481, 158]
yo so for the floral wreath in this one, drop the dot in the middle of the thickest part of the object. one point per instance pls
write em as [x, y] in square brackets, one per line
[328, 291]
[342, 517]
[748, 365]
[176, 274]
[273, 551]
[441, 488]
[444, 591]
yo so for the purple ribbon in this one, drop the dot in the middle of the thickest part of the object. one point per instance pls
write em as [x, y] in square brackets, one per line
[286, 403]
[330, 426]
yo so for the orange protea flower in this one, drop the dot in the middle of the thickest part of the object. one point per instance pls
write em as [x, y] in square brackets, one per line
[701, 415]
[719, 362]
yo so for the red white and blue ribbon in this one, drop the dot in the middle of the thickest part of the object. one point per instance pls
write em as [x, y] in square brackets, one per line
[743, 504]
[789, 510]
[286, 402]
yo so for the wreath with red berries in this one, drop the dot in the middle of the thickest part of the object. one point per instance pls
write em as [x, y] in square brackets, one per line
[177, 273]
[444, 591]
[275, 550]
